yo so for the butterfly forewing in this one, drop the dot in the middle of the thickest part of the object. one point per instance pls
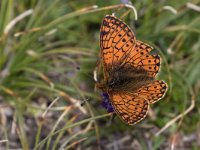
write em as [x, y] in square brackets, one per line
[116, 40]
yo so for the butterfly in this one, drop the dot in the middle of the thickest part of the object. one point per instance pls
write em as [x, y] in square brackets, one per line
[129, 71]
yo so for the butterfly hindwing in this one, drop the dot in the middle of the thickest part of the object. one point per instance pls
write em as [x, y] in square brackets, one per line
[129, 107]
[140, 58]
[153, 92]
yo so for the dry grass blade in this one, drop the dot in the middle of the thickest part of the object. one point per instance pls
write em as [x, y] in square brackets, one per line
[75, 143]
[170, 8]
[177, 117]
[17, 19]
[3, 141]
[74, 101]
[193, 6]
[52, 103]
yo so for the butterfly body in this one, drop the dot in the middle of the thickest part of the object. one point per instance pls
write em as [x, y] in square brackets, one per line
[127, 78]
[129, 71]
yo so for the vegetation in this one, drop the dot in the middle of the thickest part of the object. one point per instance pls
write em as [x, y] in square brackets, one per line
[48, 52]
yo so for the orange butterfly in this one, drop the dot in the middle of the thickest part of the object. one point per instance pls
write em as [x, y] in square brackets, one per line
[129, 83]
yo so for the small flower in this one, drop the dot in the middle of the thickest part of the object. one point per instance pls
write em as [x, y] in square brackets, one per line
[125, 1]
[106, 102]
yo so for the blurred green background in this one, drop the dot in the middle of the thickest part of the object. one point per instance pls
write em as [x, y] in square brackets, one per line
[48, 52]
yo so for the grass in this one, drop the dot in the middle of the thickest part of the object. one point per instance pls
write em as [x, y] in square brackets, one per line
[48, 51]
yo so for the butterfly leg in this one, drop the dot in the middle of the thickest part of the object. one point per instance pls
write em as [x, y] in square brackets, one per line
[112, 119]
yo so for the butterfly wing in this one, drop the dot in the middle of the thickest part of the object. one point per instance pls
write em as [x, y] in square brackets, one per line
[140, 58]
[118, 44]
[153, 92]
[133, 107]
[129, 107]
[116, 41]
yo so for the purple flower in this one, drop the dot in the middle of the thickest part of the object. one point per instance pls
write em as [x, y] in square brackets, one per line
[106, 102]
[125, 1]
